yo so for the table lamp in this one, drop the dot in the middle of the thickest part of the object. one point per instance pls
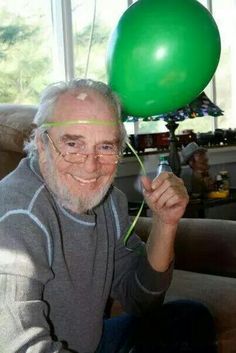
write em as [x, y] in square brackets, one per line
[199, 107]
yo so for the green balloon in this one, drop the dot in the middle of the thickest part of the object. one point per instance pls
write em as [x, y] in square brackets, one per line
[161, 55]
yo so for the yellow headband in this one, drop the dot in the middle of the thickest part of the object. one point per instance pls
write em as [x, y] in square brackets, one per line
[80, 122]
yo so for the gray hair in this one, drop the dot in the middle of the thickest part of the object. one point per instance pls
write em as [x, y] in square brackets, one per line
[52, 93]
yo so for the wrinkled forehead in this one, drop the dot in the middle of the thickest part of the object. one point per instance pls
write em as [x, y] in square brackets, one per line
[84, 104]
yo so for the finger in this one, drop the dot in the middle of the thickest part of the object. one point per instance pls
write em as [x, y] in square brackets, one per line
[160, 199]
[155, 193]
[165, 182]
[146, 183]
[171, 201]
[161, 178]
[166, 191]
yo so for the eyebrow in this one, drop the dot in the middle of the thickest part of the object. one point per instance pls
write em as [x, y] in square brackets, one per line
[68, 137]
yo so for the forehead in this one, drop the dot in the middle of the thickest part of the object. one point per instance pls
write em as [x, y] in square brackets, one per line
[88, 106]
[87, 133]
[83, 104]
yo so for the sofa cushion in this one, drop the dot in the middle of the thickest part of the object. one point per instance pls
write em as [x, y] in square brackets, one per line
[15, 125]
[206, 246]
[202, 245]
[218, 293]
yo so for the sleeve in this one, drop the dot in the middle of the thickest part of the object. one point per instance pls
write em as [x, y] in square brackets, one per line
[24, 270]
[137, 286]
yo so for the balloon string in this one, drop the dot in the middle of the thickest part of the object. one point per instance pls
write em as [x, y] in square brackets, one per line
[137, 156]
[131, 228]
[133, 224]
[90, 39]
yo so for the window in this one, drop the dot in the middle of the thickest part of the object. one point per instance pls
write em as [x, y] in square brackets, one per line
[25, 50]
[225, 15]
[50, 40]
[99, 17]
[223, 87]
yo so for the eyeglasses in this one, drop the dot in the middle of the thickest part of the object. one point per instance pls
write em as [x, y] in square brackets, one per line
[105, 153]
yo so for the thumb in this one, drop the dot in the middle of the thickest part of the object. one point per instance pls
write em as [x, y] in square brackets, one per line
[146, 183]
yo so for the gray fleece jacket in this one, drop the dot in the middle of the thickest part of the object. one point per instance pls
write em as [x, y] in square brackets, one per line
[58, 268]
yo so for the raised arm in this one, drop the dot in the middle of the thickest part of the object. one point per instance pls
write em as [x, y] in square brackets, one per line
[167, 198]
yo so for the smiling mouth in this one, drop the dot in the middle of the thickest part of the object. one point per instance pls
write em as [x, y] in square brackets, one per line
[84, 181]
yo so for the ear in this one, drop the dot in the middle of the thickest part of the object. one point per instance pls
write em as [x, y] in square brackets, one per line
[41, 147]
[40, 143]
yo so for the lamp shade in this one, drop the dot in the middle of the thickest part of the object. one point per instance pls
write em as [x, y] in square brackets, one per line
[201, 106]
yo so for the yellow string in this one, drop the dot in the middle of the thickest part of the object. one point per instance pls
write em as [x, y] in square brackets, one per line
[75, 122]
[131, 228]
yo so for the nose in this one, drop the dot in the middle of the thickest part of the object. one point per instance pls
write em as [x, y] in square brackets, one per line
[91, 163]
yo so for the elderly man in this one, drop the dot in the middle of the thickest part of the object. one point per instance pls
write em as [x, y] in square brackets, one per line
[62, 224]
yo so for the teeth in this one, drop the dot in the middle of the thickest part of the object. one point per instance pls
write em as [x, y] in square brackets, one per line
[84, 181]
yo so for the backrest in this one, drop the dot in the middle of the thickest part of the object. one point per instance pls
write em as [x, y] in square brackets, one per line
[207, 246]
[202, 245]
[15, 127]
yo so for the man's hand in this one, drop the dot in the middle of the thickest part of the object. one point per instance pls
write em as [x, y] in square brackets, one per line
[166, 196]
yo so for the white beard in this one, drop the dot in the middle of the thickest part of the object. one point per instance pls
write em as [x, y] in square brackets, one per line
[78, 204]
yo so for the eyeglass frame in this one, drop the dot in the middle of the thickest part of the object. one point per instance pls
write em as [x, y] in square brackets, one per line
[84, 155]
